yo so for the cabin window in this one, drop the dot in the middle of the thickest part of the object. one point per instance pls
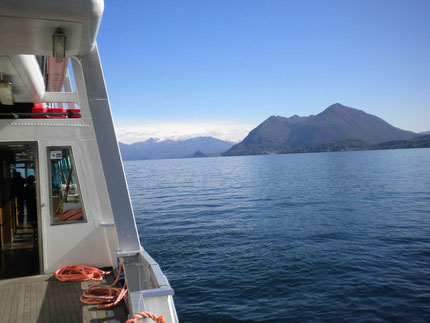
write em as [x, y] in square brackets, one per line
[66, 203]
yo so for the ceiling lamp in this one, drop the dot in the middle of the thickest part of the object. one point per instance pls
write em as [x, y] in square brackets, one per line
[59, 45]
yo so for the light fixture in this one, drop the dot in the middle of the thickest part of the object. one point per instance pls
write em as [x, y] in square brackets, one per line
[59, 45]
[6, 96]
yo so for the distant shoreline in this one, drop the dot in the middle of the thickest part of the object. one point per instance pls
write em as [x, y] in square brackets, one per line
[286, 153]
[349, 145]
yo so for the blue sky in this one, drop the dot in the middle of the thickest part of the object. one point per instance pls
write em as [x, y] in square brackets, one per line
[181, 65]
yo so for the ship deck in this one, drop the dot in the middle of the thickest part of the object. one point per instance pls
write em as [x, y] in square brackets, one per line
[42, 298]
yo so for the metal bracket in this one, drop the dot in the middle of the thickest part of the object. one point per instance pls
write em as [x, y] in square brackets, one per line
[125, 254]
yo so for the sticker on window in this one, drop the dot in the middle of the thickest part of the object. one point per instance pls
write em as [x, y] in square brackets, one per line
[56, 155]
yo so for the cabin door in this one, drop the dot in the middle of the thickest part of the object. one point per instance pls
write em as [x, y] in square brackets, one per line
[19, 211]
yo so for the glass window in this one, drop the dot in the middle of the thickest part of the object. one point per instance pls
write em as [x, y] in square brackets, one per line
[66, 204]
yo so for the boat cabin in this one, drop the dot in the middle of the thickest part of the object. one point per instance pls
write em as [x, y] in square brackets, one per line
[63, 194]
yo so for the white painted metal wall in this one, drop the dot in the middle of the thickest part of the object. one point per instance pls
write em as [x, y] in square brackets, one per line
[94, 242]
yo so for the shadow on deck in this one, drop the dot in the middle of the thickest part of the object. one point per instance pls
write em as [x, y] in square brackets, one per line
[44, 299]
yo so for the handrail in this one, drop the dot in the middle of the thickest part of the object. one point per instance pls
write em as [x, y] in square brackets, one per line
[68, 112]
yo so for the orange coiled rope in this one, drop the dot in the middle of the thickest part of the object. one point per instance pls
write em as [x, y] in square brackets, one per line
[78, 273]
[105, 296]
[71, 215]
[146, 315]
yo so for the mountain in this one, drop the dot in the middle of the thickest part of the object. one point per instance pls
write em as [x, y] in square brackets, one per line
[199, 154]
[162, 149]
[336, 123]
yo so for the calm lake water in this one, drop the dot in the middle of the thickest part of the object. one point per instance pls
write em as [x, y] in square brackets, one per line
[302, 237]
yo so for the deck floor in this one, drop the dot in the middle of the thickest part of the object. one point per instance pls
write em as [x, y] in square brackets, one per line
[20, 258]
[42, 298]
